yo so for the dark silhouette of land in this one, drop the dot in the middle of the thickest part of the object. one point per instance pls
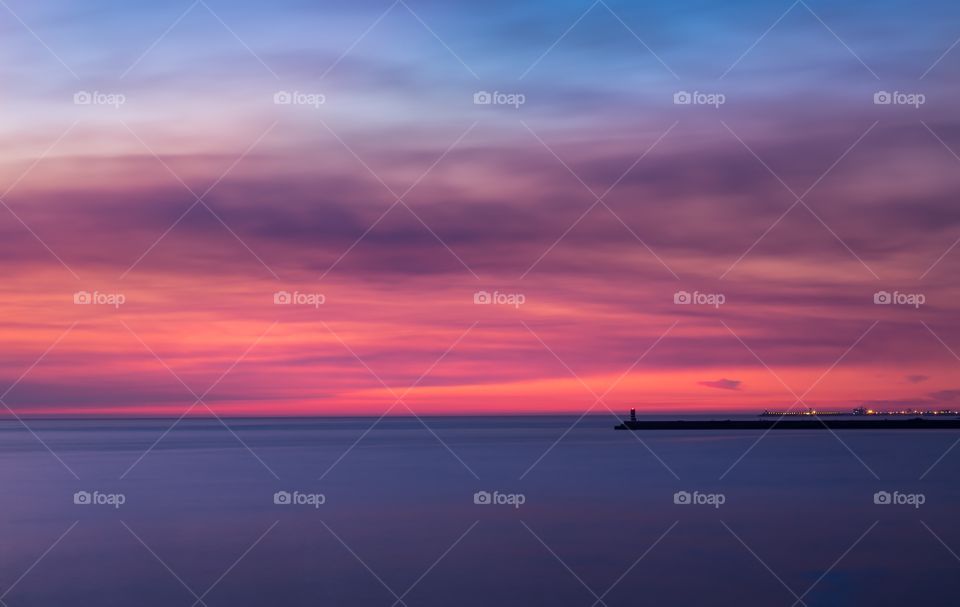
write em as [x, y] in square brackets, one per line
[914, 423]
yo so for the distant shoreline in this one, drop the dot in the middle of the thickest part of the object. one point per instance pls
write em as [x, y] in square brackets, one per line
[913, 423]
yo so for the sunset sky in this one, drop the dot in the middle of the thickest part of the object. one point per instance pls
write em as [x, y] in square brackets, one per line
[185, 189]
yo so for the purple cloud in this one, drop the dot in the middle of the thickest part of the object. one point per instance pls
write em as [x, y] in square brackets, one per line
[722, 384]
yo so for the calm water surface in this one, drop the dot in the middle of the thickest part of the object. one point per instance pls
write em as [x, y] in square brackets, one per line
[198, 524]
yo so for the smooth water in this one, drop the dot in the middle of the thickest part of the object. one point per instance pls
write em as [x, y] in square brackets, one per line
[198, 524]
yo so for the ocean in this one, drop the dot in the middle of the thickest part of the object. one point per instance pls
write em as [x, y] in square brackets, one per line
[472, 511]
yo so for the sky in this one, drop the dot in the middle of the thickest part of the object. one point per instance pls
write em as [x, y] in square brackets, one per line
[585, 242]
